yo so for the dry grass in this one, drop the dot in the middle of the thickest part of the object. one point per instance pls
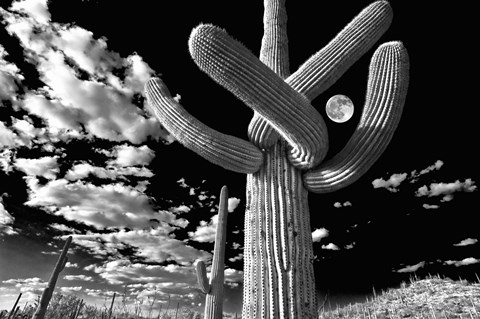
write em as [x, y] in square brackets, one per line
[432, 298]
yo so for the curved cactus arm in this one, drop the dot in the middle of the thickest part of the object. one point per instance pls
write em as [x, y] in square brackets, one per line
[326, 66]
[234, 67]
[227, 151]
[386, 93]
[202, 277]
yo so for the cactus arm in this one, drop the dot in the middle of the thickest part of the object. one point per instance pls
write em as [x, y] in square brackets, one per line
[47, 292]
[325, 67]
[233, 66]
[386, 93]
[227, 151]
[202, 277]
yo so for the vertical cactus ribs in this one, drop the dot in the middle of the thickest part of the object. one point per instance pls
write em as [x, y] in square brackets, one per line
[214, 288]
[288, 142]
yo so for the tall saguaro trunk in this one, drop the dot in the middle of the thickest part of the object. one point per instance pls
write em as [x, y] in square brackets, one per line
[288, 141]
[278, 271]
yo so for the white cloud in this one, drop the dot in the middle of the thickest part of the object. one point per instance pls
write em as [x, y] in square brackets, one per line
[71, 265]
[236, 258]
[113, 205]
[9, 77]
[45, 166]
[436, 166]
[83, 170]
[37, 9]
[155, 245]
[131, 156]
[100, 102]
[6, 221]
[394, 181]
[318, 234]
[33, 285]
[446, 189]
[412, 268]
[63, 228]
[181, 208]
[56, 115]
[125, 272]
[330, 246]
[464, 262]
[345, 204]
[78, 277]
[428, 206]
[7, 137]
[70, 289]
[467, 242]
[233, 203]
[206, 232]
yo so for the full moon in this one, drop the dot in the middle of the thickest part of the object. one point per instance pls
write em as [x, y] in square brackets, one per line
[339, 108]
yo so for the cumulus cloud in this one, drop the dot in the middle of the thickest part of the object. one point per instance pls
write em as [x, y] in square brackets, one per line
[154, 245]
[78, 277]
[205, 233]
[446, 189]
[467, 242]
[71, 265]
[236, 258]
[438, 164]
[7, 137]
[33, 285]
[391, 184]
[81, 90]
[83, 170]
[125, 272]
[112, 205]
[45, 166]
[69, 290]
[9, 77]
[330, 246]
[6, 221]
[412, 268]
[233, 203]
[428, 206]
[464, 262]
[37, 9]
[127, 155]
[395, 180]
[345, 204]
[318, 234]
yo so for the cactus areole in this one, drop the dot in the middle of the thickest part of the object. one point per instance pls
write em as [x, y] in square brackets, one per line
[288, 141]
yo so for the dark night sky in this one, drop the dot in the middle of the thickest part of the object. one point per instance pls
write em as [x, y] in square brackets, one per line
[378, 236]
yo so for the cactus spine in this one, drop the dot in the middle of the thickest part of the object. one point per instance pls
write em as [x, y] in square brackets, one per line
[288, 141]
[214, 288]
[47, 292]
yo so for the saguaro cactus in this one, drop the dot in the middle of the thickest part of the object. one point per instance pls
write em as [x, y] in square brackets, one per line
[214, 288]
[47, 292]
[288, 141]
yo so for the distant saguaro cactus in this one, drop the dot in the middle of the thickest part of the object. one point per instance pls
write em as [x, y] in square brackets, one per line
[288, 141]
[47, 292]
[214, 288]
